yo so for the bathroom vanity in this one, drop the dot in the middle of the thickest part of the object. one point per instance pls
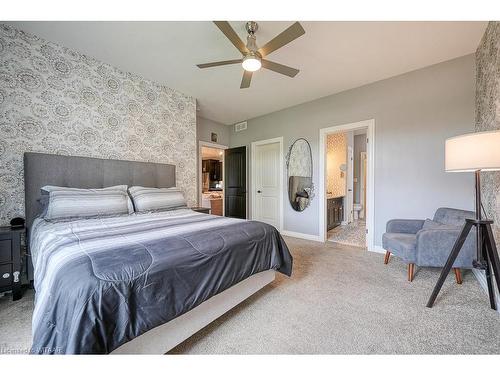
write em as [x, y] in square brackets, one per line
[334, 212]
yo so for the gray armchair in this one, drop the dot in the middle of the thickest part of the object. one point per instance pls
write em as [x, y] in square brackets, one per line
[428, 243]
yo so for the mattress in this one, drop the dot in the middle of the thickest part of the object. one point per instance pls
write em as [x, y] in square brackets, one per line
[101, 282]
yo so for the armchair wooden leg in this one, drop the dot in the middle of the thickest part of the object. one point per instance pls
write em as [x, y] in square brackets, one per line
[458, 275]
[387, 256]
[411, 269]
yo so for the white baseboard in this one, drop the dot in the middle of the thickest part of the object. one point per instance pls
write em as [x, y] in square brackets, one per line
[377, 249]
[303, 236]
[481, 278]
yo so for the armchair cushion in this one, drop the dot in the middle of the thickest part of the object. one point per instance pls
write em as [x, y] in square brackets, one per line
[402, 245]
[409, 226]
[434, 247]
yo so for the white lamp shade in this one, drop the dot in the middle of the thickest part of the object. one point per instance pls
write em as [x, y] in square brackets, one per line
[472, 152]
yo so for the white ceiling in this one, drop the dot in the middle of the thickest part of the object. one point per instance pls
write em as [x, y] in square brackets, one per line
[331, 56]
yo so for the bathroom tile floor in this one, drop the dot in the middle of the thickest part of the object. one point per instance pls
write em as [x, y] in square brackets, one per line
[353, 234]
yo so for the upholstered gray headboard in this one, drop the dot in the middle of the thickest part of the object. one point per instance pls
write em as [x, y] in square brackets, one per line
[81, 172]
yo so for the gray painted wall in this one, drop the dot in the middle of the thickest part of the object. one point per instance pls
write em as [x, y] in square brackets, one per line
[414, 114]
[205, 127]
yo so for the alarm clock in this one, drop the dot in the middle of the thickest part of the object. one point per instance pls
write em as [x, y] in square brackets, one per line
[17, 223]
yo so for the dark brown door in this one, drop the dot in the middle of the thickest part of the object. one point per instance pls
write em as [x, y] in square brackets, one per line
[218, 171]
[235, 182]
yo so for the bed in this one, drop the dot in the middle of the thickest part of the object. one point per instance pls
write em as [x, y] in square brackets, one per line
[139, 283]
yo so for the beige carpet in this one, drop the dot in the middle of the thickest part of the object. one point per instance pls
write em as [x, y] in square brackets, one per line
[339, 300]
[351, 234]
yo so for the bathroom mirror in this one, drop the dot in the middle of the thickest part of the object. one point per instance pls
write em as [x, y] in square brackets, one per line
[299, 173]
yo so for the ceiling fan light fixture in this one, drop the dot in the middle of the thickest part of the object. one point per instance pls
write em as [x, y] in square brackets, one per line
[253, 57]
[251, 63]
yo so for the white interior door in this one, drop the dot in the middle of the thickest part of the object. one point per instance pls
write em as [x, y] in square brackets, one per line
[350, 185]
[266, 192]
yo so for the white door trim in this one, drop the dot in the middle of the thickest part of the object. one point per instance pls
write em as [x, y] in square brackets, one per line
[349, 210]
[361, 183]
[370, 181]
[252, 180]
[200, 171]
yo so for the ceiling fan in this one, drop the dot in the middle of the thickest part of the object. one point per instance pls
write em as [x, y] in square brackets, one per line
[253, 57]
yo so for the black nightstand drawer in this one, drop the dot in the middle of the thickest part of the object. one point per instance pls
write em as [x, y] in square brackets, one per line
[5, 275]
[11, 251]
[5, 251]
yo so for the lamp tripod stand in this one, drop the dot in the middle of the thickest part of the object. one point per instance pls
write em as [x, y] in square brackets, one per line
[487, 255]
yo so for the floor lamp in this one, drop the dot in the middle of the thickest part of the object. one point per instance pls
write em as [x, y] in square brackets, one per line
[474, 152]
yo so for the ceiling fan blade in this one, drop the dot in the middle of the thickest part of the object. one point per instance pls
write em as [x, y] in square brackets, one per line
[218, 63]
[245, 81]
[279, 68]
[229, 32]
[290, 34]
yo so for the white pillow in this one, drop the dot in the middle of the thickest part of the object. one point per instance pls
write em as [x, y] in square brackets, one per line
[155, 199]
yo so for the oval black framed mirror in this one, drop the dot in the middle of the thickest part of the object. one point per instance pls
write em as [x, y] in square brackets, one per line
[299, 174]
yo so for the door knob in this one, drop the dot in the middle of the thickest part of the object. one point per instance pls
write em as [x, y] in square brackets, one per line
[258, 191]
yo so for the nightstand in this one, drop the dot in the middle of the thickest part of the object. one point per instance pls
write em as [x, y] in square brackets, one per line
[203, 210]
[10, 261]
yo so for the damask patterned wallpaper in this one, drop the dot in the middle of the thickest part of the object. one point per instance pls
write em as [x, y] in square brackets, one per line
[488, 112]
[56, 100]
[336, 155]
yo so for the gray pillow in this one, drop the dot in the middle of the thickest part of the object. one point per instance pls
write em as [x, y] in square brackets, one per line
[66, 202]
[156, 199]
[431, 224]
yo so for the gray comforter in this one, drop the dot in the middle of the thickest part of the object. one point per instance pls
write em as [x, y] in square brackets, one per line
[102, 282]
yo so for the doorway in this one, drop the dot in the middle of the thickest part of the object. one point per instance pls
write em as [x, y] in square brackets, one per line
[211, 177]
[235, 186]
[267, 181]
[346, 184]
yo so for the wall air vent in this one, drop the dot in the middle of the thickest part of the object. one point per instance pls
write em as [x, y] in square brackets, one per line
[240, 126]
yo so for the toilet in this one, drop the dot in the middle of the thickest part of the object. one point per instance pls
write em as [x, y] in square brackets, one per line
[357, 207]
